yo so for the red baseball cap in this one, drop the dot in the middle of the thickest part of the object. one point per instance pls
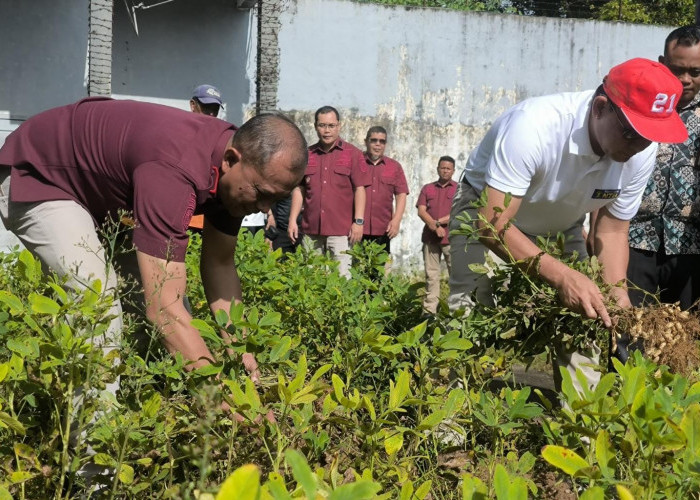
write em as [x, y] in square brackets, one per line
[647, 93]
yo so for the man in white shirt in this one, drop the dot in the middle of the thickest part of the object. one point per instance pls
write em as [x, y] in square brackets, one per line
[561, 156]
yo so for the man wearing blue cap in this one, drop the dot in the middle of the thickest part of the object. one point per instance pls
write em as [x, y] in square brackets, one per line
[206, 99]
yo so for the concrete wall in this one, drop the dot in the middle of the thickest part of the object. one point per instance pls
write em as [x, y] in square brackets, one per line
[436, 78]
[44, 43]
[182, 44]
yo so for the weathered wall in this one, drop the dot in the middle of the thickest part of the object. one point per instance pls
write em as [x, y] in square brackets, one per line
[182, 44]
[435, 78]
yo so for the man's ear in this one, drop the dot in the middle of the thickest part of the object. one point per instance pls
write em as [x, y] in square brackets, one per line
[231, 157]
[599, 104]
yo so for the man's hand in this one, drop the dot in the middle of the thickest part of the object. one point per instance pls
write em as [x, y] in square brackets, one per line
[293, 230]
[355, 233]
[251, 366]
[393, 228]
[440, 232]
[578, 293]
[621, 297]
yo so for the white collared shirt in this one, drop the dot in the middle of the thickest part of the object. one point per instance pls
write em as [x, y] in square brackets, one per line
[540, 150]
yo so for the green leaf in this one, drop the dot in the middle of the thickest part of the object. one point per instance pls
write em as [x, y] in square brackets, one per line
[207, 370]
[690, 425]
[406, 491]
[564, 459]
[205, 330]
[632, 383]
[594, 493]
[360, 490]
[623, 492]
[509, 487]
[301, 472]
[393, 442]
[423, 490]
[150, 408]
[20, 476]
[4, 494]
[243, 484]
[4, 369]
[280, 349]
[604, 385]
[398, 392]
[62, 294]
[473, 488]
[275, 483]
[43, 305]
[321, 372]
[605, 455]
[11, 423]
[431, 420]
[270, 319]
[104, 459]
[338, 387]
[126, 474]
[12, 301]
[221, 317]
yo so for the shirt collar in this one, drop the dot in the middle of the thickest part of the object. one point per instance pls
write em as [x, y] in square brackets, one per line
[580, 139]
[692, 104]
[318, 149]
[450, 183]
[370, 162]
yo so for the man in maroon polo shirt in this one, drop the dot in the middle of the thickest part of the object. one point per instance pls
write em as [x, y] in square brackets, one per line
[434, 204]
[332, 192]
[382, 219]
[65, 171]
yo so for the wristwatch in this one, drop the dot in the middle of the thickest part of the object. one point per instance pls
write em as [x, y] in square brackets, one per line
[359, 222]
[437, 224]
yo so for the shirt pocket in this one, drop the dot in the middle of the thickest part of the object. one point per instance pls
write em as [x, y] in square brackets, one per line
[342, 170]
[312, 169]
[388, 182]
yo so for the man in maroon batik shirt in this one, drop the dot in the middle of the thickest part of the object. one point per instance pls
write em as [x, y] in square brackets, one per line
[65, 171]
[434, 203]
[382, 220]
[332, 193]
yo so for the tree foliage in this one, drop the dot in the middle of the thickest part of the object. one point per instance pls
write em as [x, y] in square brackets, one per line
[660, 12]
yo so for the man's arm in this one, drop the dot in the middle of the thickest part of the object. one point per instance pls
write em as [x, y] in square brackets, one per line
[576, 291]
[294, 211]
[220, 280]
[611, 246]
[164, 285]
[395, 223]
[359, 207]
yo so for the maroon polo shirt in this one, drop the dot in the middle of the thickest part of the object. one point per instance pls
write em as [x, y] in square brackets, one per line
[388, 180]
[437, 200]
[329, 184]
[160, 162]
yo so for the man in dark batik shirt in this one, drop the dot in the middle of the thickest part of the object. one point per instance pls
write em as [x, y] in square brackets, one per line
[665, 234]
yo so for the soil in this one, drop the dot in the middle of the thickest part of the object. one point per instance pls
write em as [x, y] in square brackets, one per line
[666, 334]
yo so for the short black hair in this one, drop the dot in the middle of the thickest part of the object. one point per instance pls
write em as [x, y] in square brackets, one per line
[686, 36]
[264, 135]
[446, 158]
[376, 129]
[324, 110]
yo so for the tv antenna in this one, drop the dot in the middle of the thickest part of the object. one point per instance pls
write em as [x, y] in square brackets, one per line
[132, 7]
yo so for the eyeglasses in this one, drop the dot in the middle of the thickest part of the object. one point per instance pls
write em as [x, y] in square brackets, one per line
[627, 133]
[375, 140]
[329, 126]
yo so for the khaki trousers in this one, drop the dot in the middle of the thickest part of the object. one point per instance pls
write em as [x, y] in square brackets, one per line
[337, 246]
[468, 287]
[432, 256]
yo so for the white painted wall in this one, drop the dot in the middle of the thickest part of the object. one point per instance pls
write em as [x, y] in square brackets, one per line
[436, 78]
